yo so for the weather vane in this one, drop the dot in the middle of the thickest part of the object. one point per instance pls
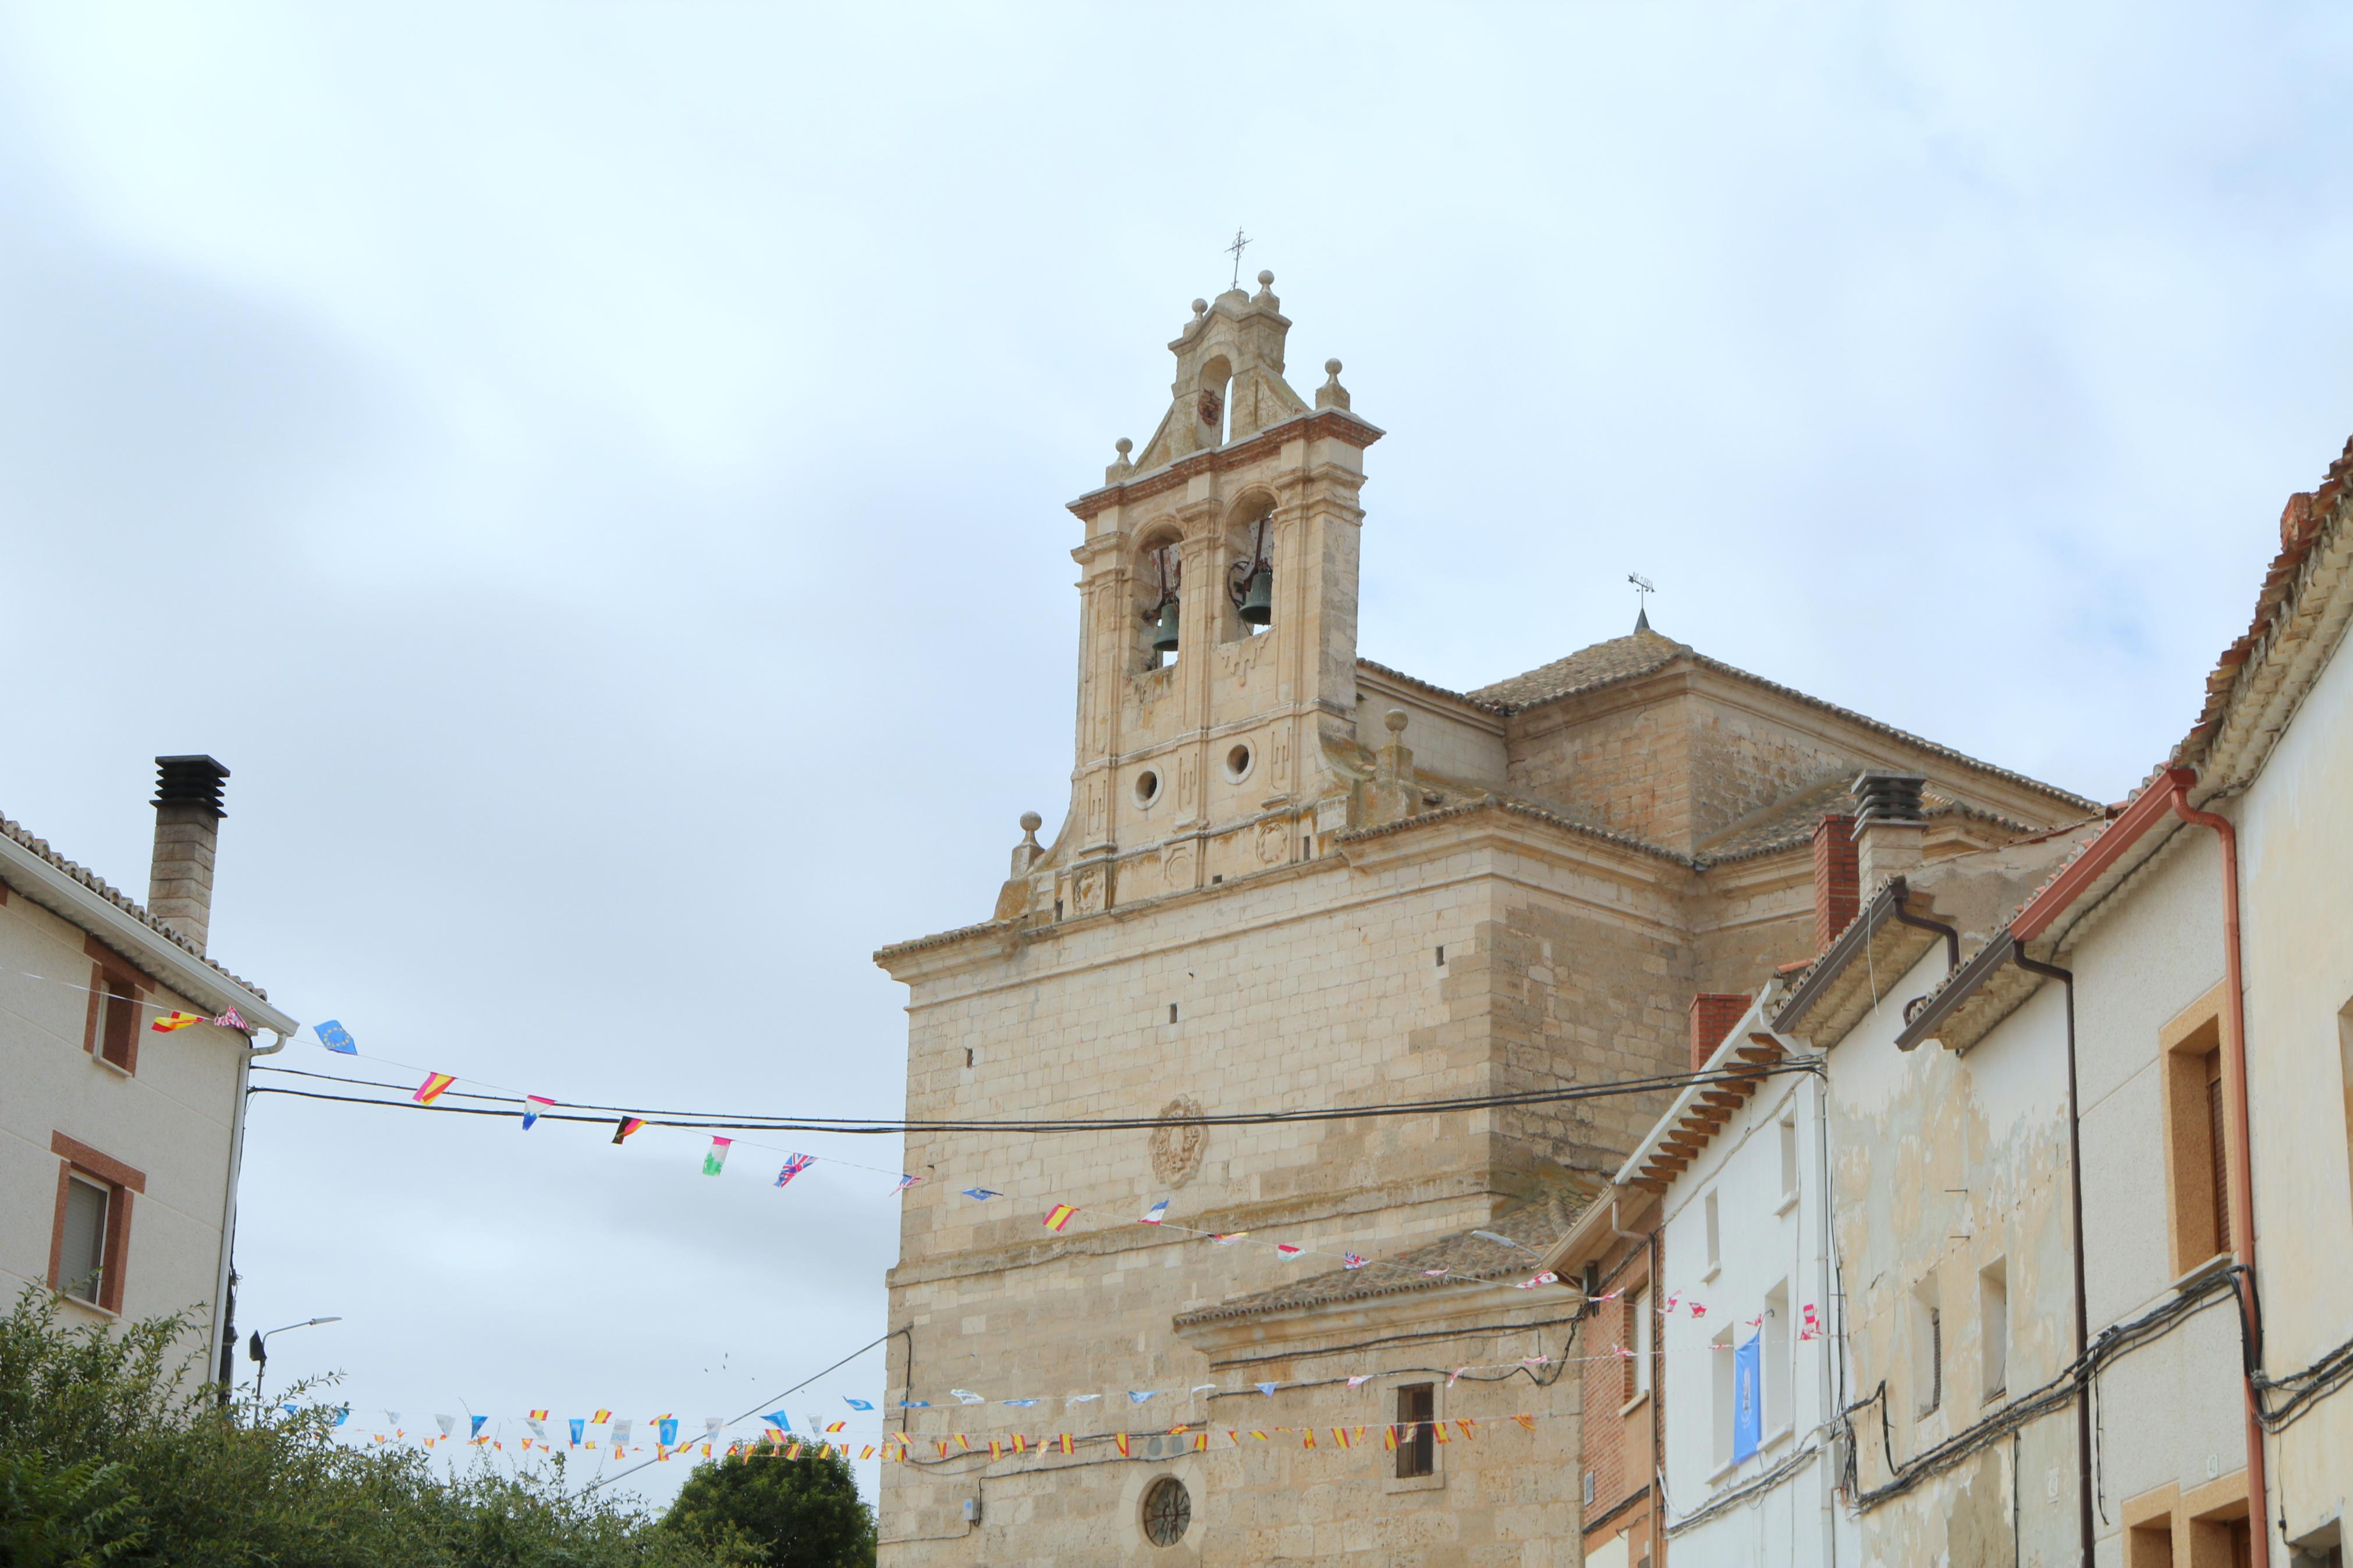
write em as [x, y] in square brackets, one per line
[1644, 589]
[1239, 240]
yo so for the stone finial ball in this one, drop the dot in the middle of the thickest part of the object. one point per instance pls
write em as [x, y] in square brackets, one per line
[1200, 307]
[1031, 822]
[1396, 720]
[1265, 279]
[1331, 367]
[1123, 446]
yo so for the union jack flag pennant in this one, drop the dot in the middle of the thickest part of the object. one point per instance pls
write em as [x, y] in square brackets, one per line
[794, 1165]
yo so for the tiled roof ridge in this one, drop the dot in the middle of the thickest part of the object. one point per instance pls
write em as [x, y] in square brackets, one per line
[1432, 686]
[1335, 1286]
[1518, 808]
[119, 900]
[2308, 518]
[1670, 651]
[941, 939]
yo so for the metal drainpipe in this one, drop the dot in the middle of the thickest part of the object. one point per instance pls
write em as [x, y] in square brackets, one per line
[229, 1198]
[2242, 1171]
[2075, 1186]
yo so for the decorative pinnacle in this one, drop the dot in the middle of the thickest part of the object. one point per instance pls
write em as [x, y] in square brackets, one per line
[1396, 720]
[1123, 446]
[1031, 822]
[1200, 307]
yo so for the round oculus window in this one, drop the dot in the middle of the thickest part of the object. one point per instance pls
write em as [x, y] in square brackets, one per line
[1167, 1511]
[1237, 763]
[1147, 787]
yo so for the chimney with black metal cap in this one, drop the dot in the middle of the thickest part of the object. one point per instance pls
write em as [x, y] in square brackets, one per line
[187, 833]
[1888, 828]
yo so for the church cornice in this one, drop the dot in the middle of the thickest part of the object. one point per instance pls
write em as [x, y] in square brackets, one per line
[1336, 424]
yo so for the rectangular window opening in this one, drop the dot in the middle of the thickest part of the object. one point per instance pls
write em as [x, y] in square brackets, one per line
[1442, 956]
[1172, 1012]
[1715, 1236]
[1416, 1408]
[2198, 1140]
[1776, 1368]
[81, 1251]
[1993, 1316]
[1928, 1347]
[118, 1036]
[1789, 1155]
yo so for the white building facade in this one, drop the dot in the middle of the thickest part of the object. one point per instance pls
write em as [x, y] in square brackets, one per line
[119, 1143]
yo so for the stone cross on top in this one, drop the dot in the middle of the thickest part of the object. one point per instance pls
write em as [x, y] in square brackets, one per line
[1236, 249]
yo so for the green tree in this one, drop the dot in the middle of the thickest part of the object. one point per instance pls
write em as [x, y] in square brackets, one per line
[111, 1452]
[776, 1512]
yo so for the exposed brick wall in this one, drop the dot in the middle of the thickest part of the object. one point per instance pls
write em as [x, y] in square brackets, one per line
[1712, 1013]
[1837, 882]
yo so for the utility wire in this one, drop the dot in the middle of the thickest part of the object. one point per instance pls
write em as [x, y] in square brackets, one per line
[771, 1401]
[756, 1123]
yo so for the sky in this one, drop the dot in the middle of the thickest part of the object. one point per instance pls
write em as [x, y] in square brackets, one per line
[596, 475]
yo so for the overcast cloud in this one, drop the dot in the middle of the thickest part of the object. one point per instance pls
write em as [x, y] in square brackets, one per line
[596, 474]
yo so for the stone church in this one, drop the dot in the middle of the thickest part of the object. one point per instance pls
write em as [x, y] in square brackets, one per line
[1292, 879]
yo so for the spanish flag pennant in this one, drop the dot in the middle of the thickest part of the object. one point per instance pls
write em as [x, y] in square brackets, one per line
[1121, 1439]
[1307, 1437]
[1470, 1429]
[430, 1090]
[600, 1418]
[539, 1415]
[942, 1447]
[1389, 1439]
[1437, 1429]
[962, 1444]
[165, 1023]
[706, 1450]
[792, 1450]
[1063, 1442]
[1020, 1443]
[1061, 1216]
[1200, 1442]
[995, 1449]
[627, 1125]
[866, 1451]
[1527, 1421]
[661, 1453]
[1340, 1436]
[1234, 1438]
[1260, 1436]
[835, 1426]
[526, 1443]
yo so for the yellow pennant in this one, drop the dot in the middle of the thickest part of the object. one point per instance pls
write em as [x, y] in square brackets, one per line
[1527, 1421]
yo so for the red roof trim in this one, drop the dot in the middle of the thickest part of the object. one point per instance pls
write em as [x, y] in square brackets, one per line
[2152, 805]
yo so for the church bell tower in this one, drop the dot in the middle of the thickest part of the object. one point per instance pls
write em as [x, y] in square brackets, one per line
[1216, 726]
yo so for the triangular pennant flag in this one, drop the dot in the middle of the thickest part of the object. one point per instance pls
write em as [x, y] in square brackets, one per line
[1060, 1217]
[627, 1125]
[1157, 1213]
[904, 1183]
[166, 1021]
[332, 1036]
[531, 1104]
[478, 1421]
[431, 1088]
[1120, 1439]
[981, 1195]
[1527, 1421]
[794, 1165]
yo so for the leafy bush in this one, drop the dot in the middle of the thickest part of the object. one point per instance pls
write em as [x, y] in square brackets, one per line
[777, 1513]
[111, 1453]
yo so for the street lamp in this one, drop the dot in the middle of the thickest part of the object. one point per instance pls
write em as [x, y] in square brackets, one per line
[258, 1349]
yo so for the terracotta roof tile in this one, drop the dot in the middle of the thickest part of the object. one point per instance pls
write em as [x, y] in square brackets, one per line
[120, 901]
[1464, 1257]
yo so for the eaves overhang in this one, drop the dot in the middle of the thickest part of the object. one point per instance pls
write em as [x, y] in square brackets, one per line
[169, 964]
[1891, 933]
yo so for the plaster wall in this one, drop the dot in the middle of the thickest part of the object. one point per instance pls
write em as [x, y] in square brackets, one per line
[1768, 1237]
[170, 1121]
[1948, 1166]
[2296, 893]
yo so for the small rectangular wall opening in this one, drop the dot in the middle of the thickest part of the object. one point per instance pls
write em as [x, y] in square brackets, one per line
[1928, 1347]
[1442, 956]
[1715, 1236]
[1993, 1327]
[1172, 1012]
[1789, 1155]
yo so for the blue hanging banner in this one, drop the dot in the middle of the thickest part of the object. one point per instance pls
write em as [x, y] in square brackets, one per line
[1747, 1397]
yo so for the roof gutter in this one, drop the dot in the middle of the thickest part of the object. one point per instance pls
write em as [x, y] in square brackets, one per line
[1881, 909]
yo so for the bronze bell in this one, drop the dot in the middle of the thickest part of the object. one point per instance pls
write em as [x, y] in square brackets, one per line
[1164, 637]
[1258, 598]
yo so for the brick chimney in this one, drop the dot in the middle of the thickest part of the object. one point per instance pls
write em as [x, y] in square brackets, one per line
[1834, 878]
[187, 832]
[1712, 1013]
[1888, 828]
